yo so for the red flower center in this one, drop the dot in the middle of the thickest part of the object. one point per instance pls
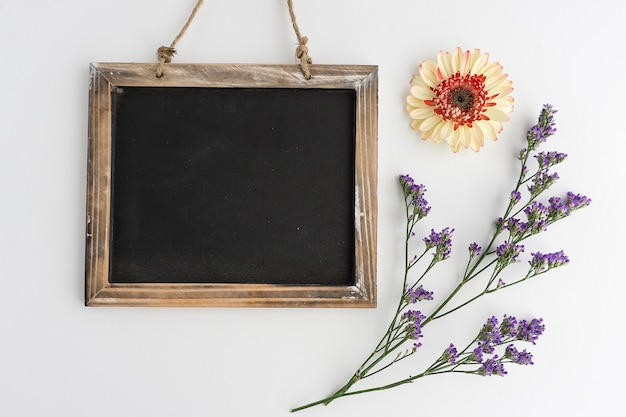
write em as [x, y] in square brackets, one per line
[461, 99]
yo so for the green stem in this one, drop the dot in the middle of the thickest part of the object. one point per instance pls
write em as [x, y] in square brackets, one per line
[476, 297]
[329, 399]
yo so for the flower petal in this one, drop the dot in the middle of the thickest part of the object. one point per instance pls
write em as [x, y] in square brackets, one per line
[487, 128]
[456, 60]
[421, 113]
[423, 93]
[496, 114]
[465, 62]
[430, 122]
[414, 102]
[444, 65]
[447, 128]
[478, 139]
[428, 72]
[454, 141]
[479, 62]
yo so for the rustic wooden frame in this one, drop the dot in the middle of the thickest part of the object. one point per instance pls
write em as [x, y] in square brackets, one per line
[106, 76]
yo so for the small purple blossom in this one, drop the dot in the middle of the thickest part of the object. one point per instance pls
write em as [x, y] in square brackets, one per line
[490, 332]
[418, 294]
[530, 331]
[548, 159]
[508, 253]
[414, 194]
[560, 208]
[523, 153]
[477, 355]
[544, 128]
[492, 366]
[541, 262]
[516, 227]
[522, 358]
[442, 243]
[474, 249]
[486, 347]
[537, 215]
[576, 201]
[516, 196]
[557, 208]
[450, 354]
[414, 326]
[508, 327]
[542, 181]
[432, 240]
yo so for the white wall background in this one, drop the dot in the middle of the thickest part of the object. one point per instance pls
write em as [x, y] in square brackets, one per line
[59, 358]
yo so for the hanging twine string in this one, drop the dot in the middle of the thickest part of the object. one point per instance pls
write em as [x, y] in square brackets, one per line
[302, 51]
[166, 53]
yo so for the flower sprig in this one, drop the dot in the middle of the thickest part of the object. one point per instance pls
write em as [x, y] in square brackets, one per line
[497, 341]
[479, 357]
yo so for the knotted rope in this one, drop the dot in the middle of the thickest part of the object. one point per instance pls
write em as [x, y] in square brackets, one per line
[166, 53]
[302, 51]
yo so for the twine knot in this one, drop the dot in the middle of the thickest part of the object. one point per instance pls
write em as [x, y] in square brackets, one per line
[165, 55]
[302, 53]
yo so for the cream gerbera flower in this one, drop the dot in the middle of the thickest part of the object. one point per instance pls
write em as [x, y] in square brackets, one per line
[461, 98]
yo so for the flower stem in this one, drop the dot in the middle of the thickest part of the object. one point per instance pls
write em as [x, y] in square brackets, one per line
[339, 394]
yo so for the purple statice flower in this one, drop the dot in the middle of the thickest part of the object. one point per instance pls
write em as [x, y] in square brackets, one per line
[544, 128]
[418, 294]
[541, 262]
[499, 224]
[542, 180]
[557, 209]
[492, 366]
[548, 159]
[442, 243]
[414, 193]
[508, 253]
[490, 333]
[508, 327]
[474, 249]
[576, 201]
[406, 182]
[522, 358]
[560, 208]
[477, 354]
[450, 354]
[432, 240]
[516, 227]
[530, 331]
[414, 326]
[516, 196]
[537, 215]
[523, 153]
[485, 347]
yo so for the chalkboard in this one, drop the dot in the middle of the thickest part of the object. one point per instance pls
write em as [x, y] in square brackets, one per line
[226, 185]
